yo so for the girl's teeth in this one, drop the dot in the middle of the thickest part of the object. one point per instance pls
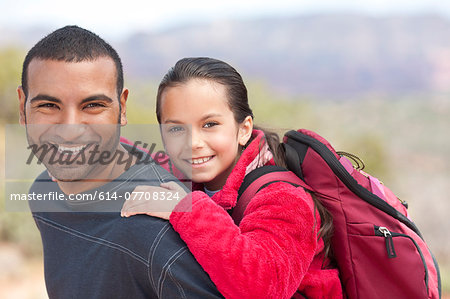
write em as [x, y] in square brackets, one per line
[201, 160]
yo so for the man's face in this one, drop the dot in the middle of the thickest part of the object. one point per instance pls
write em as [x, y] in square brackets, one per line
[72, 109]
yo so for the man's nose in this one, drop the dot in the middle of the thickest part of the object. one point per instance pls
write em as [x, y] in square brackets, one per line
[70, 116]
[70, 133]
[70, 126]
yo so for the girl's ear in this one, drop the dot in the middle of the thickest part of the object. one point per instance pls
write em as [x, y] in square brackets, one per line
[245, 130]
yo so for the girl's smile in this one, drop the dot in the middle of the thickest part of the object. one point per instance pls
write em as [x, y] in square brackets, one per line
[199, 162]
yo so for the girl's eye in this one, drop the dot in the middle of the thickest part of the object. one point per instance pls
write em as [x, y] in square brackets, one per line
[176, 129]
[210, 124]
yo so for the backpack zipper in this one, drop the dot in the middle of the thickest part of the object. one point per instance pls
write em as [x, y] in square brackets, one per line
[388, 235]
[389, 243]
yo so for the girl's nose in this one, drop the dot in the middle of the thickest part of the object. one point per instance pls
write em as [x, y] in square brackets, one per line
[196, 139]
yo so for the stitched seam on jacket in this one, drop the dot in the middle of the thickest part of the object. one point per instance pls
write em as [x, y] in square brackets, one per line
[128, 179]
[166, 268]
[152, 252]
[91, 238]
[180, 288]
[113, 189]
[153, 166]
[139, 171]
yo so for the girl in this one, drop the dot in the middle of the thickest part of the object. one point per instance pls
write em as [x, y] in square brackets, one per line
[280, 247]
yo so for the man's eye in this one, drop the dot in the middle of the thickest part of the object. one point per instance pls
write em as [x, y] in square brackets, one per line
[47, 105]
[94, 105]
[210, 124]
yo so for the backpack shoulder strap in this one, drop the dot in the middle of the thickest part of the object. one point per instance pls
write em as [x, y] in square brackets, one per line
[258, 179]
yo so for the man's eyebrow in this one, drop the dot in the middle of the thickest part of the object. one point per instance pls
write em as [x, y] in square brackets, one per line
[44, 97]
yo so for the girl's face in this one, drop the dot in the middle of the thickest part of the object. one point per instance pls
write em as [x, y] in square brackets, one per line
[200, 133]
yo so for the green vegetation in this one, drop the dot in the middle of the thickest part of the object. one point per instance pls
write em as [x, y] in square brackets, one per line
[10, 70]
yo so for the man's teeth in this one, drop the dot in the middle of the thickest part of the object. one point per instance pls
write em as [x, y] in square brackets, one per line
[200, 160]
[72, 149]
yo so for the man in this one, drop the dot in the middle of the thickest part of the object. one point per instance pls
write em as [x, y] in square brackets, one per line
[72, 103]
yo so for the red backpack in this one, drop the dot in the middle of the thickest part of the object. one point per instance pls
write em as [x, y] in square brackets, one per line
[379, 251]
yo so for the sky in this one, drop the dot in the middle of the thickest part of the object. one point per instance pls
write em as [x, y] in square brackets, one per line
[117, 20]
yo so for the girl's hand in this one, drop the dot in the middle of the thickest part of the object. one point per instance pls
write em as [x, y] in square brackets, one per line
[153, 200]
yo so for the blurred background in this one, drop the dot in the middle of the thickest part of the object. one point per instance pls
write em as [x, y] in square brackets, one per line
[373, 77]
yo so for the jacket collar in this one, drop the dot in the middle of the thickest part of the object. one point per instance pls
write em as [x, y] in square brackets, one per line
[255, 155]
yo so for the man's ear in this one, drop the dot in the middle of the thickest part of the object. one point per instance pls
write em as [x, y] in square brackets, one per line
[123, 107]
[22, 101]
[245, 130]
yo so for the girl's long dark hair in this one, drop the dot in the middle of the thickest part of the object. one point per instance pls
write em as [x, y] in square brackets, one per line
[220, 72]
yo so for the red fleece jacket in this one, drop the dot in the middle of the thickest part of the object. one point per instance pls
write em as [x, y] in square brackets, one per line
[275, 249]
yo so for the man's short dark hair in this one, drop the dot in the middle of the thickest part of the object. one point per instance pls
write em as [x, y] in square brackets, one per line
[72, 44]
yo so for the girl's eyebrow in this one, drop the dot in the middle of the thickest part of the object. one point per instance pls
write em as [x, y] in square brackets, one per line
[173, 121]
[210, 115]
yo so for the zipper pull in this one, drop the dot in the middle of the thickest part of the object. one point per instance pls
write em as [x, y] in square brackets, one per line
[403, 202]
[389, 242]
